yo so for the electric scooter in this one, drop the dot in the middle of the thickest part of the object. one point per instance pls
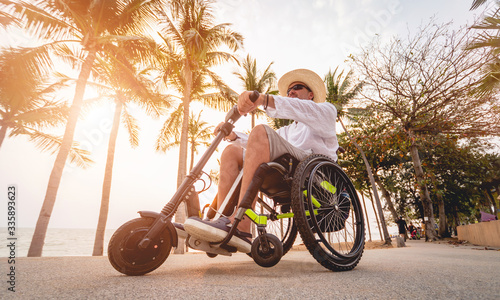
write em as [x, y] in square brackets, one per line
[313, 197]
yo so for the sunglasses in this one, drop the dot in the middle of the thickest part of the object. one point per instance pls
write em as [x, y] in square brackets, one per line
[297, 87]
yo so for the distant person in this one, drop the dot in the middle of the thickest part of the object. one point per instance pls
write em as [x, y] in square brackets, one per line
[402, 227]
[411, 227]
[413, 231]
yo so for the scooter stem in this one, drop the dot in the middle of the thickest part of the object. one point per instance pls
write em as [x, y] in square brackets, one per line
[169, 209]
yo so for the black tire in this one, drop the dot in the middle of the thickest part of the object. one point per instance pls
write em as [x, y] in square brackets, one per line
[333, 228]
[125, 255]
[267, 256]
[284, 229]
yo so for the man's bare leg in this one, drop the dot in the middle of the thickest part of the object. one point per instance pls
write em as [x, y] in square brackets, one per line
[257, 152]
[231, 162]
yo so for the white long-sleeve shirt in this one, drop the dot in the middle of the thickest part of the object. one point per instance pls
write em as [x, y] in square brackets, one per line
[314, 129]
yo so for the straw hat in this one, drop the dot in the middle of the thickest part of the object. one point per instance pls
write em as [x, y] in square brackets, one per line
[309, 78]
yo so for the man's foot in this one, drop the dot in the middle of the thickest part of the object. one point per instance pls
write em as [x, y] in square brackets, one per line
[216, 231]
[181, 232]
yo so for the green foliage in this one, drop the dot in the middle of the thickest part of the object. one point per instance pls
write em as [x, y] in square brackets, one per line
[457, 169]
[460, 170]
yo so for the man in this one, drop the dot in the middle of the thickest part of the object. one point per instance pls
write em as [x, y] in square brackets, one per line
[402, 227]
[302, 99]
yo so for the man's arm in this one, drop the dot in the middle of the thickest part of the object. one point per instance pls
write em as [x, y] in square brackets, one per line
[306, 111]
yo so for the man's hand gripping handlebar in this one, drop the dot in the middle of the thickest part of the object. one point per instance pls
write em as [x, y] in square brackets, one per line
[235, 113]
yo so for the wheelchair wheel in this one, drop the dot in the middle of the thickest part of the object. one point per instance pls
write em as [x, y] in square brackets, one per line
[267, 255]
[284, 229]
[328, 213]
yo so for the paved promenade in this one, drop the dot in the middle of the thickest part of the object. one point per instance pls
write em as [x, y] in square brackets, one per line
[419, 271]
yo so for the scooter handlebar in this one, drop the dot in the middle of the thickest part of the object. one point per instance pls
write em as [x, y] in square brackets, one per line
[234, 114]
[254, 96]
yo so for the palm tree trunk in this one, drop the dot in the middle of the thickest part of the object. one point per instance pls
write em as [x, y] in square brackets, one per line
[106, 186]
[3, 132]
[38, 239]
[387, 237]
[192, 157]
[180, 214]
[424, 194]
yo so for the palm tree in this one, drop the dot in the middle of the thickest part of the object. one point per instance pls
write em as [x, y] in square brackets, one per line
[489, 38]
[191, 47]
[253, 81]
[123, 85]
[27, 107]
[198, 134]
[340, 92]
[96, 26]
[191, 44]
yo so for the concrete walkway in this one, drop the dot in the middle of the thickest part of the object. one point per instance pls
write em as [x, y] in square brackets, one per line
[419, 271]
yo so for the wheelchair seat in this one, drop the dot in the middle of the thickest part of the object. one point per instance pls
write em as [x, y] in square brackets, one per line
[277, 183]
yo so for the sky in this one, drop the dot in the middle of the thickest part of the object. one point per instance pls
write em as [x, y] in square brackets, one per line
[318, 35]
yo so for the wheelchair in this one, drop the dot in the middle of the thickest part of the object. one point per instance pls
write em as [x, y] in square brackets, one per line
[312, 198]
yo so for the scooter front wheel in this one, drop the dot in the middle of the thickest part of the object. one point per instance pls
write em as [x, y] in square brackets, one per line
[125, 255]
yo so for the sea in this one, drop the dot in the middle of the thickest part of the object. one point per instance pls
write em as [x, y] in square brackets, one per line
[58, 241]
[69, 241]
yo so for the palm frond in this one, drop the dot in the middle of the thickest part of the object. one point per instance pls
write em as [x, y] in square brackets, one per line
[170, 30]
[170, 130]
[138, 15]
[132, 127]
[44, 20]
[73, 56]
[6, 17]
[30, 63]
[217, 57]
[49, 115]
[251, 78]
[47, 142]
[477, 3]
